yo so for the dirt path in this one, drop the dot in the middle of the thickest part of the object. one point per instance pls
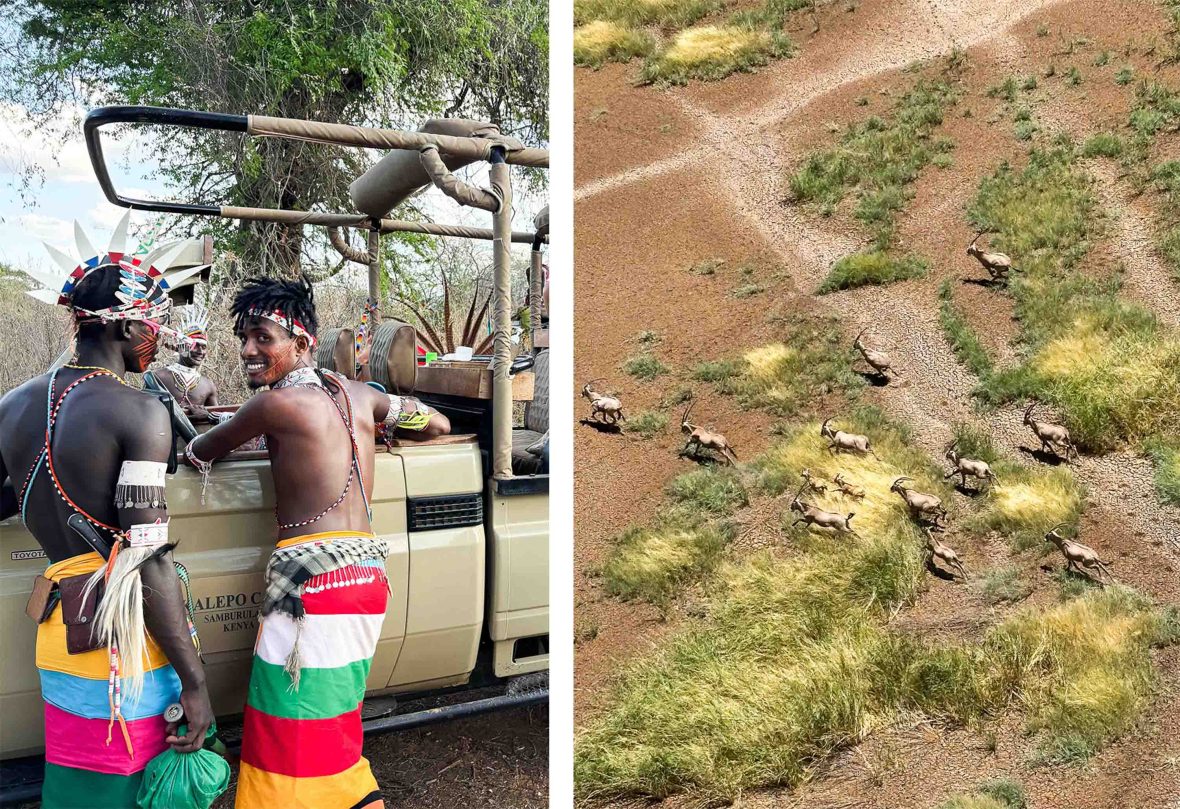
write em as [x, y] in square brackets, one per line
[742, 138]
[893, 38]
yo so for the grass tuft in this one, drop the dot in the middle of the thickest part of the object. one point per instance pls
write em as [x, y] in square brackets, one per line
[635, 13]
[785, 377]
[1025, 502]
[707, 267]
[1000, 793]
[1165, 453]
[1004, 584]
[645, 366]
[653, 563]
[709, 490]
[1104, 144]
[602, 41]
[647, 424]
[712, 52]
[964, 342]
[874, 268]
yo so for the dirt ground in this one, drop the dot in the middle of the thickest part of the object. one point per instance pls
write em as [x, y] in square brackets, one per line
[668, 178]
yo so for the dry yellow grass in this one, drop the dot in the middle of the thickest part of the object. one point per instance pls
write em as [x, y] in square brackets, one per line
[710, 44]
[602, 41]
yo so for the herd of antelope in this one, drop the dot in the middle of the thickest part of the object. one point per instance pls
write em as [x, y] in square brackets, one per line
[925, 509]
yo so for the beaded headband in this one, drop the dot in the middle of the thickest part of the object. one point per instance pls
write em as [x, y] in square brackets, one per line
[289, 323]
[142, 292]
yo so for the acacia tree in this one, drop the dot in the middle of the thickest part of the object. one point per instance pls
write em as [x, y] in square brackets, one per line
[380, 62]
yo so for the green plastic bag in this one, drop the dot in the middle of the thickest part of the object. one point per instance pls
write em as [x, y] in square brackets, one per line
[185, 780]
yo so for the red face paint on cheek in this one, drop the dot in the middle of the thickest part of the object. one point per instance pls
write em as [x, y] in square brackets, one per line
[145, 348]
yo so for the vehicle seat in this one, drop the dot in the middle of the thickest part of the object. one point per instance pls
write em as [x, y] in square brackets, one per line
[536, 420]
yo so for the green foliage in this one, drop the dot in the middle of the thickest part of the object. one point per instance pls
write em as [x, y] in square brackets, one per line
[747, 290]
[709, 490]
[1073, 77]
[1104, 144]
[646, 424]
[875, 267]
[1024, 130]
[1029, 83]
[1165, 453]
[963, 340]
[376, 62]
[719, 372]
[880, 158]
[601, 41]
[1102, 59]
[1124, 76]
[1005, 90]
[645, 366]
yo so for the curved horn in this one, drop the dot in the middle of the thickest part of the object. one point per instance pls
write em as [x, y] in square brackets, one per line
[1053, 530]
[684, 417]
[825, 424]
[899, 480]
[1028, 409]
[860, 334]
[977, 235]
[599, 379]
[801, 488]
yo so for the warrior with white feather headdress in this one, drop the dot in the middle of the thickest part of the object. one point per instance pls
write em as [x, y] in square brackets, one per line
[83, 457]
[183, 379]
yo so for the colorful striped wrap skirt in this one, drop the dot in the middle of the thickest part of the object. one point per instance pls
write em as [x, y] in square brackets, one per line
[301, 747]
[87, 760]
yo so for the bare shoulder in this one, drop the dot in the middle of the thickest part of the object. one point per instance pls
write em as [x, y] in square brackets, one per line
[139, 407]
[26, 392]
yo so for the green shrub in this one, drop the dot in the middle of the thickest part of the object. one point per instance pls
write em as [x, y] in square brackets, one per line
[1104, 144]
[718, 372]
[707, 267]
[645, 366]
[964, 342]
[635, 13]
[872, 268]
[879, 158]
[1124, 76]
[646, 424]
[709, 490]
[1005, 584]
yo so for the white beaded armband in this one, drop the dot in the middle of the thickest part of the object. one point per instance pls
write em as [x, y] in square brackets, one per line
[141, 485]
[149, 535]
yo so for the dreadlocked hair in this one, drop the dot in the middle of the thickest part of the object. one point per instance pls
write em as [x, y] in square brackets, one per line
[295, 299]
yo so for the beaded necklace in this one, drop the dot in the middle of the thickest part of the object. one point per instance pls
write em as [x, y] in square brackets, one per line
[46, 455]
[309, 378]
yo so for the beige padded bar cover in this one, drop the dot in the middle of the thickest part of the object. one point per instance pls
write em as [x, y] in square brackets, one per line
[536, 290]
[502, 345]
[463, 193]
[399, 174]
[366, 137]
[361, 221]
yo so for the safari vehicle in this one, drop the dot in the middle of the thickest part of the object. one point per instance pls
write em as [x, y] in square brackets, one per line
[468, 568]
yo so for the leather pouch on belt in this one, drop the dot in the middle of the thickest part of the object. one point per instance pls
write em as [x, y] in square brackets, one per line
[42, 600]
[77, 613]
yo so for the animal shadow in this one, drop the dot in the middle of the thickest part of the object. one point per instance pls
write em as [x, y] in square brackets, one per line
[986, 283]
[938, 572]
[700, 458]
[967, 491]
[873, 378]
[602, 427]
[1043, 456]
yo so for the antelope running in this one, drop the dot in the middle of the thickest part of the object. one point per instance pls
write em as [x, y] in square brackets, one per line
[998, 265]
[813, 515]
[840, 441]
[938, 550]
[701, 437]
[1051, 435]
[601, 405]
[920, 504]
[966, 466]
[1076, 554]
[814, 484]
[877, 360]
[849, 489]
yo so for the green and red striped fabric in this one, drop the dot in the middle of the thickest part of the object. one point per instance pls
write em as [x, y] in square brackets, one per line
[302, 747]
